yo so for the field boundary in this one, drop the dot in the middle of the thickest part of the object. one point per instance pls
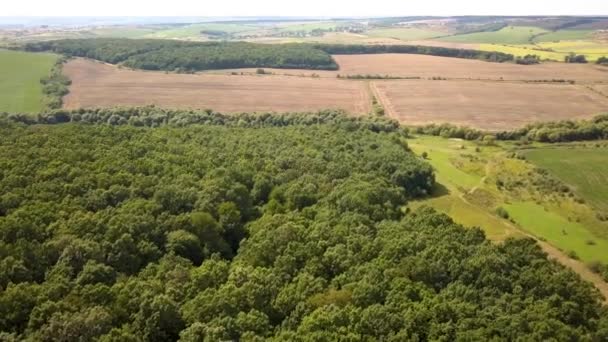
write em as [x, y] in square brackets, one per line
[384, 101]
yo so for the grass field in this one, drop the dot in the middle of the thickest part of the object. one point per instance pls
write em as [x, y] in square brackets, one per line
[559, 231]
[592, 50]
[468, 193]
[585, 169]
[523, 50]
[194, 30]
[20, 88]
[564, 35]
[507, 35]
[555, 51]
[406, 34]
[308, 26]
[454, 183]
[123, 32]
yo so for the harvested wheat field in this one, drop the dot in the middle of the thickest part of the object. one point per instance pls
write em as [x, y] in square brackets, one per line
[486, 105]
[602, 88]
[101, 85]
[431, 66]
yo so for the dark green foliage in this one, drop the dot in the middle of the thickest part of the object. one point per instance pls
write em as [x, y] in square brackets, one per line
[572, 58]
[602, 61]
[549, 132]
[55, 86]
[346, 49]
[180, 56]
[250, 228]
[173, 55]
[502, 212]
[528, 60]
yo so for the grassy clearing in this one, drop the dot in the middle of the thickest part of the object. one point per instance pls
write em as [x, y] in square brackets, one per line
[20, 88]
[559, 231]
[405, 34]
[308, 27]
[455, 182]
[468, 192]
[564, 35]
[593, 50]
[507, 35]
[583, 168]
[522, 50]
[194, 30]
[123, 32]
[552, 50]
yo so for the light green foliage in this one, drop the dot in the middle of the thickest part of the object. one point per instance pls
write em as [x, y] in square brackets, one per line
[506, 35]
[20, 75]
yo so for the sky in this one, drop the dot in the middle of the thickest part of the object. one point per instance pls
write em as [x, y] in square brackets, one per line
[328, 8]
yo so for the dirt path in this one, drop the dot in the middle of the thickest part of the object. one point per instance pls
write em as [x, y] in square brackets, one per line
[384, 101]
[553, 253]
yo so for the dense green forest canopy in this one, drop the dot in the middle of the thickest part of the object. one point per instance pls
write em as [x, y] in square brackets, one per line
[195, 226]
[173, 55]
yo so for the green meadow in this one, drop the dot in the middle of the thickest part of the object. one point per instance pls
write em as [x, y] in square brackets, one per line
[405, 33]
[20, 88]
[467, 174]
[507, 35]
[583, 168]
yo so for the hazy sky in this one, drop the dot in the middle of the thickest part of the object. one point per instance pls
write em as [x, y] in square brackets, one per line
[300, 8]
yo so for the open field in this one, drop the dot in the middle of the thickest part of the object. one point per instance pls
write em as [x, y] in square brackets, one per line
[433, 66]
[467, 192]
[564, 35]
[406, 33]
[194, 31]
[486, 105]
[295, 27]
[583, 168]
[507, 35]
[20, 74]
[404, 65]
[555, 51]
[97, 85]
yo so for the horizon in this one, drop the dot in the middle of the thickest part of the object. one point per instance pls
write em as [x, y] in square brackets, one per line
[313, 8]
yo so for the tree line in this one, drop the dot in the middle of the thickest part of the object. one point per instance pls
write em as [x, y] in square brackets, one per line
[195, 227]
[358, 49]
[55, 86]
[548, 132]
[181, 56]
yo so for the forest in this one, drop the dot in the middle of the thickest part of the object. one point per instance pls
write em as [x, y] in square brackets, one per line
[181, 56]
[151, 225]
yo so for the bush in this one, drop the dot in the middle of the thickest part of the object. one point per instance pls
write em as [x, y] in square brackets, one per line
[502, 212]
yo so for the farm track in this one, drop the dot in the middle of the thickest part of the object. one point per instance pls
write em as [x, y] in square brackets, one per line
[554, 253]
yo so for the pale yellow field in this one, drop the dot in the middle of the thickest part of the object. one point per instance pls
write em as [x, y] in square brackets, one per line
[486, 105]
[102, 85]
